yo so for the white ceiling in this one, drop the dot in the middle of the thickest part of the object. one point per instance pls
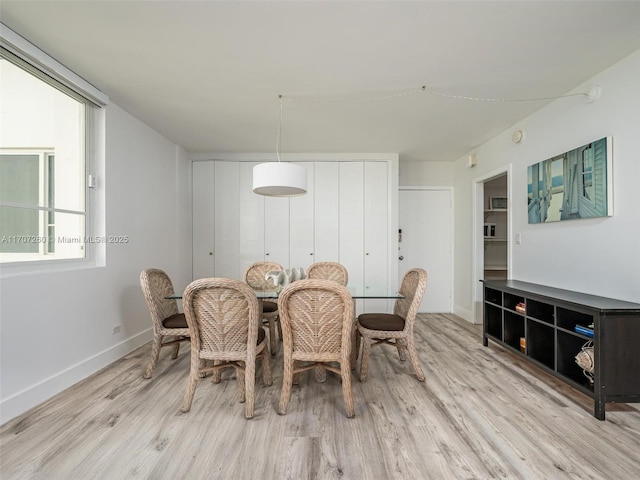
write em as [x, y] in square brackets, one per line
[207, 74]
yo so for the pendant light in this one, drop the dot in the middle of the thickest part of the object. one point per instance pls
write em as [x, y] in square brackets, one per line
[279, 179]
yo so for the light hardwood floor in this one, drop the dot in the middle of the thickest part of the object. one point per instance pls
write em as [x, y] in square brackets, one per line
[483, 413]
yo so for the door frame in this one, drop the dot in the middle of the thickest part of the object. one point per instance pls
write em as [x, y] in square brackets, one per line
[451, 233]
[478, 236]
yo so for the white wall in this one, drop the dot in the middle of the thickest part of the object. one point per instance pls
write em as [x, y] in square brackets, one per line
[426, 174]
[56, 328]
[597, 256]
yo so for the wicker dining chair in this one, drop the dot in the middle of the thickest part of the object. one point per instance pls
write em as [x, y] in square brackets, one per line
[395, 328]
[254, 276]
[329, 271]
[338, 273]
[317, 326]
[224, 321]
[167, 321]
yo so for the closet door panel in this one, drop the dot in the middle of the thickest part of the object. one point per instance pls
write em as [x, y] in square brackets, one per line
[203, 202]
[352, 223]
[276, 230]
[327, 212]
[227, 214]
[251, 219]
[376, 248]
[301, 217]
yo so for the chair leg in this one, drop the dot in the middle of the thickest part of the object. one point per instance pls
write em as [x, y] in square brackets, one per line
[273, 344]
[250, 383]
[176, 348]
[345, 373]
[278, 324]
[401, 352]
[364, 361]
[217, 373]
[203, 364]
[320, 374]
[296, 377]
[287, 381]
[355, 347]
[242, 386]
[193, 382]
[155, 353]
[267, 376]
[413, 355]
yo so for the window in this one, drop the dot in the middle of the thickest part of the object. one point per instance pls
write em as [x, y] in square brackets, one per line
[588, 188]
[46, 131]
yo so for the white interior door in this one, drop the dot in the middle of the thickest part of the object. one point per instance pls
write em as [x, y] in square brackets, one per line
[425, 218]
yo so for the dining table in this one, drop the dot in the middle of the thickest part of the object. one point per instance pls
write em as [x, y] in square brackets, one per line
[357, 292]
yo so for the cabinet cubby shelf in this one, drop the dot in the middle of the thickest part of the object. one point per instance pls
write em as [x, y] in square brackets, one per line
[547, 327]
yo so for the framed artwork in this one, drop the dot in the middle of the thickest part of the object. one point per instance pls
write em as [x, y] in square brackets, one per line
[573, 185]
[498, 203]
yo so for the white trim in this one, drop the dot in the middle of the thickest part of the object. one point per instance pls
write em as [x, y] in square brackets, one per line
[42, 391]
[478, 239]
[295, 157]
[21, 47]
[463, 313]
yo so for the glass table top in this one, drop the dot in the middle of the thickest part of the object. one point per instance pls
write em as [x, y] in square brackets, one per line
[360, 291]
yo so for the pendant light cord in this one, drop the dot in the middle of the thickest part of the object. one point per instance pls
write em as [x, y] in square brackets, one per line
[279, 139]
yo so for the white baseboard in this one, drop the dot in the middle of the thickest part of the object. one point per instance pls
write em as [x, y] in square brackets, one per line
[463, 313]
[30, 397]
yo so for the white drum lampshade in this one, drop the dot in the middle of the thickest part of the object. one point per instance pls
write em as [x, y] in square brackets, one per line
[279, 179]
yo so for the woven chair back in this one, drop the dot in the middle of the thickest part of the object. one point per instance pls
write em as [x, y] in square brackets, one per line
[329, 271]
[317, 319]
[156, 285]
[223, 317]
[412, 288]
[254, 275]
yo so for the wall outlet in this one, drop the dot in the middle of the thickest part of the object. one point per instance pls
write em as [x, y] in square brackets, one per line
[116, 329]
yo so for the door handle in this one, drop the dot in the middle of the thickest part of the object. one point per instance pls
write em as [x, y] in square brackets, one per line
[401, 257]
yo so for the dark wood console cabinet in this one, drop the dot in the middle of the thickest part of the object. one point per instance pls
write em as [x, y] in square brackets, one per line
[546, 318]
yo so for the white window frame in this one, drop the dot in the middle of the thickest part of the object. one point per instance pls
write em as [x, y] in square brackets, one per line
[43, 193]
[95, 253]
[590, 151]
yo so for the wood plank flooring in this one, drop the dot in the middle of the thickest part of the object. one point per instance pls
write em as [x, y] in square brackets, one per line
[483, 413]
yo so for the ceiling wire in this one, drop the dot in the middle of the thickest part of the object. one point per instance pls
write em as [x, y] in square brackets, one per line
[414, 91]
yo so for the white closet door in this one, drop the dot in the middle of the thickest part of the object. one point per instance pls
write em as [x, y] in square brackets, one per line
[376, 248]
[276, 230]
[301, 215]
[251, 219]
[327, 212]
[203, 202]
[227, 214]
[352, 223]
